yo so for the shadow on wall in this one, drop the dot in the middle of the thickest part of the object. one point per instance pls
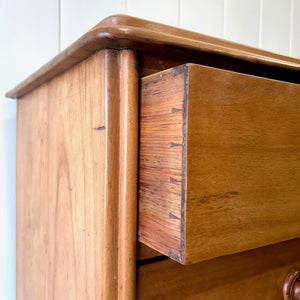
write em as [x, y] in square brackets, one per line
[7, 198]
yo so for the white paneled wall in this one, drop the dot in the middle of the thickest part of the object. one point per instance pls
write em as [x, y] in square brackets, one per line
[203, 16]
[78, 16]
[33, 31]
[242, 21]
[273, 25]
[163, 11]
[276, 18]
[295, 29]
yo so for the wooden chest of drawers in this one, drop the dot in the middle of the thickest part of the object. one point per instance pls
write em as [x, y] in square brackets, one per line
[214, 143]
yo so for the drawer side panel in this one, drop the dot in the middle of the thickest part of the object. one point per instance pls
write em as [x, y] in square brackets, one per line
[160, 169]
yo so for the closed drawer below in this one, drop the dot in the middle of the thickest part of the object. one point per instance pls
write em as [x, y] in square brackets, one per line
[251, 275]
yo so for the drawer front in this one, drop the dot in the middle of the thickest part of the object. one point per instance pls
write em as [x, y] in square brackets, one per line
[251, 275]
[219, 162]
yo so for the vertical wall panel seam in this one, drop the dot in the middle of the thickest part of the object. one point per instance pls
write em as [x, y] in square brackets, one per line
[291, 28]
[179, 13]
[59, 25]
[260, 23]
[224, 18]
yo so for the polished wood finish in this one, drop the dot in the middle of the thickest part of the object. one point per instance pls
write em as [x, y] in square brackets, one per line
[110, 91]
[291, 286]
[251, 275]
[219, 162]
[60, 186]
[119, 32]
[140, 23]
[295, 295]
[70, 155]
[129, 112]
[77, 172]
[160, 171]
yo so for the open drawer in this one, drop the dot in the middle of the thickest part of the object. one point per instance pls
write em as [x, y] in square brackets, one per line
[219, 169]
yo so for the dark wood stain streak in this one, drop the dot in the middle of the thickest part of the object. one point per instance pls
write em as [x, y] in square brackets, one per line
[175, 145]
[171, 216]
[100, 128]
[156, 92]
[184, 165]
[175, 110]
[208, 198]
[174, 180]
[177, 71]
[174, 255]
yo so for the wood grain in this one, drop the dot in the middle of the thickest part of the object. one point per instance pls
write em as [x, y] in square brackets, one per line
[140, 23]
[123, 32]
[219, 162]
[129, 116]
[160, 165]
[77, 168]
[111, 95]
[61, 179]
[243, 166]
[68, 167]
[251, 275]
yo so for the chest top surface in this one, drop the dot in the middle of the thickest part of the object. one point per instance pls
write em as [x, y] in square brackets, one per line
[149, 38]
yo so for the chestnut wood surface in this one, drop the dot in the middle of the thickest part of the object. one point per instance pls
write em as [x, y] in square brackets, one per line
[68, 165]
[160, 165]
[129, 116]
[140, 23]
[124, 32]
[77, 167]
[61, 157]
[219, 162]
[251, 275]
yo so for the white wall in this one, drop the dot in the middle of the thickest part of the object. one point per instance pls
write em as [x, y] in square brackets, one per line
[33, 31]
